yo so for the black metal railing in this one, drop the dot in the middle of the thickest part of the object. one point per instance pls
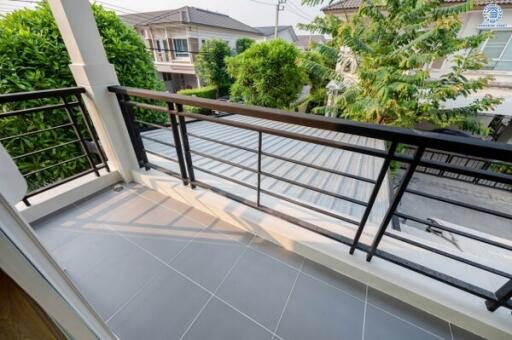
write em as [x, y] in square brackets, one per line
[50, 137]
[466, 162]
[132, 100]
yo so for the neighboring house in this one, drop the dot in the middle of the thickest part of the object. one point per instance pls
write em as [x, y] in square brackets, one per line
[286, 33]
[305, 42]
[175, 37]
[496, 16]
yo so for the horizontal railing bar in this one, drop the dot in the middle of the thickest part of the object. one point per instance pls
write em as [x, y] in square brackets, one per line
[157, 141]
[243, 167]
[162, 156]
[35, 109]
[310, 206]
[46, 149]
[467, 146]
[158, 126]
[281, 133]
[319, 190]
[162, 169]
[482, 174]
[454, 231]
[317, 167]
[436, 275]
[53, 165]
[458, 203]
[21, 96]
[230, 179]
[35, 132]
[63, 181]
[449, 255]
[222, 142]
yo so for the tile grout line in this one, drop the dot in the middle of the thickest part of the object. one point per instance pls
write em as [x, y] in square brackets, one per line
[289, 296]
[407, 321]
[451, 331]
[364, 312]
[204, 288]
[257, 250]
[347, 293]
[213, 293]
[153, 277]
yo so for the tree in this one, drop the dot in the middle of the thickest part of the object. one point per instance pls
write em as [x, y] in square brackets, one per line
[242, 44]
[211, 63]
[393, 42]
[33, 57]
[267, 74]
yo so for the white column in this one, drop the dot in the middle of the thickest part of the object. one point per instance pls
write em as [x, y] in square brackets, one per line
[91, 70]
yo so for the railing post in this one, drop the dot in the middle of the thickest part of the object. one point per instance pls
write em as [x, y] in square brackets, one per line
[186, 146]
[373, 196]
[396, 200]
[133, 131]
[502, 296]
[260, 137]
[78, 134]
[177, 143]
[92, 132]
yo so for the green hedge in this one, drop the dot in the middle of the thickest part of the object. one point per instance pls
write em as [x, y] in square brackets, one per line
[209, 92]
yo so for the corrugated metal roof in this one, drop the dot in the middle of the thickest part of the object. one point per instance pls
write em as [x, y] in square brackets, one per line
[331, 158]
[354, 4]
[188, 15]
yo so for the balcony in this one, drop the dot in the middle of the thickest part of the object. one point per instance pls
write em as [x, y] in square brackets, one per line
[266, 218]
[248, 222]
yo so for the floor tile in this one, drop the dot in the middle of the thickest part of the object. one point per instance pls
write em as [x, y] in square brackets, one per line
[318, 311]
[462, 334]
[223, 232]
[220, 322]
[207, 263]
[338, 280]
[113, 283]
[278, 252]
[380, 325]
[409, 313]
[163, 309]
[165, 248]
[82, 254]
[259, 287]
[53, 238]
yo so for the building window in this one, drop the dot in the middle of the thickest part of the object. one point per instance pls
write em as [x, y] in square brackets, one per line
[158, 46]
[498, 51]
[180, 48]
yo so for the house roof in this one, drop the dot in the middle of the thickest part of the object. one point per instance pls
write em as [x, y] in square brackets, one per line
[307, 39]
[354, 4]
[269, 30]
[188, 15]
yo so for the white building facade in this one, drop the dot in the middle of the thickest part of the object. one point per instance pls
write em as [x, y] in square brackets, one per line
[176, 36]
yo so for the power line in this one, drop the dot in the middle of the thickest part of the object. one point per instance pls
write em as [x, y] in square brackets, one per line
[300, 10]
[300, 15]
[263, 3]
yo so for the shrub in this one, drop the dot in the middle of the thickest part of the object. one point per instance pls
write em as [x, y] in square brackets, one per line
[267, 74]
[33, 57]
[242, 44]
[209, 92]
[210, 63]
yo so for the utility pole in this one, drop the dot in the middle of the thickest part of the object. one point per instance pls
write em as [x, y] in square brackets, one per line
[279, 8]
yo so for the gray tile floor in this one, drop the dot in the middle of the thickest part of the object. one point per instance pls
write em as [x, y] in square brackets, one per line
[154, 268]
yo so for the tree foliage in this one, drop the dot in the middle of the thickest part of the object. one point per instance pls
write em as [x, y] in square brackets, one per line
[267, 74]
[33, 57]
[394, 42]
[210, 63]
[242, 44]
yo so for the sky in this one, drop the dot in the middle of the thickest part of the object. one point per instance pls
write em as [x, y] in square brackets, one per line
[251, 12]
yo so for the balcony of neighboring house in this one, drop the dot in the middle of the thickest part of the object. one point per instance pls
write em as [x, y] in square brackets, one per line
[248, 222]
[173, 54]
